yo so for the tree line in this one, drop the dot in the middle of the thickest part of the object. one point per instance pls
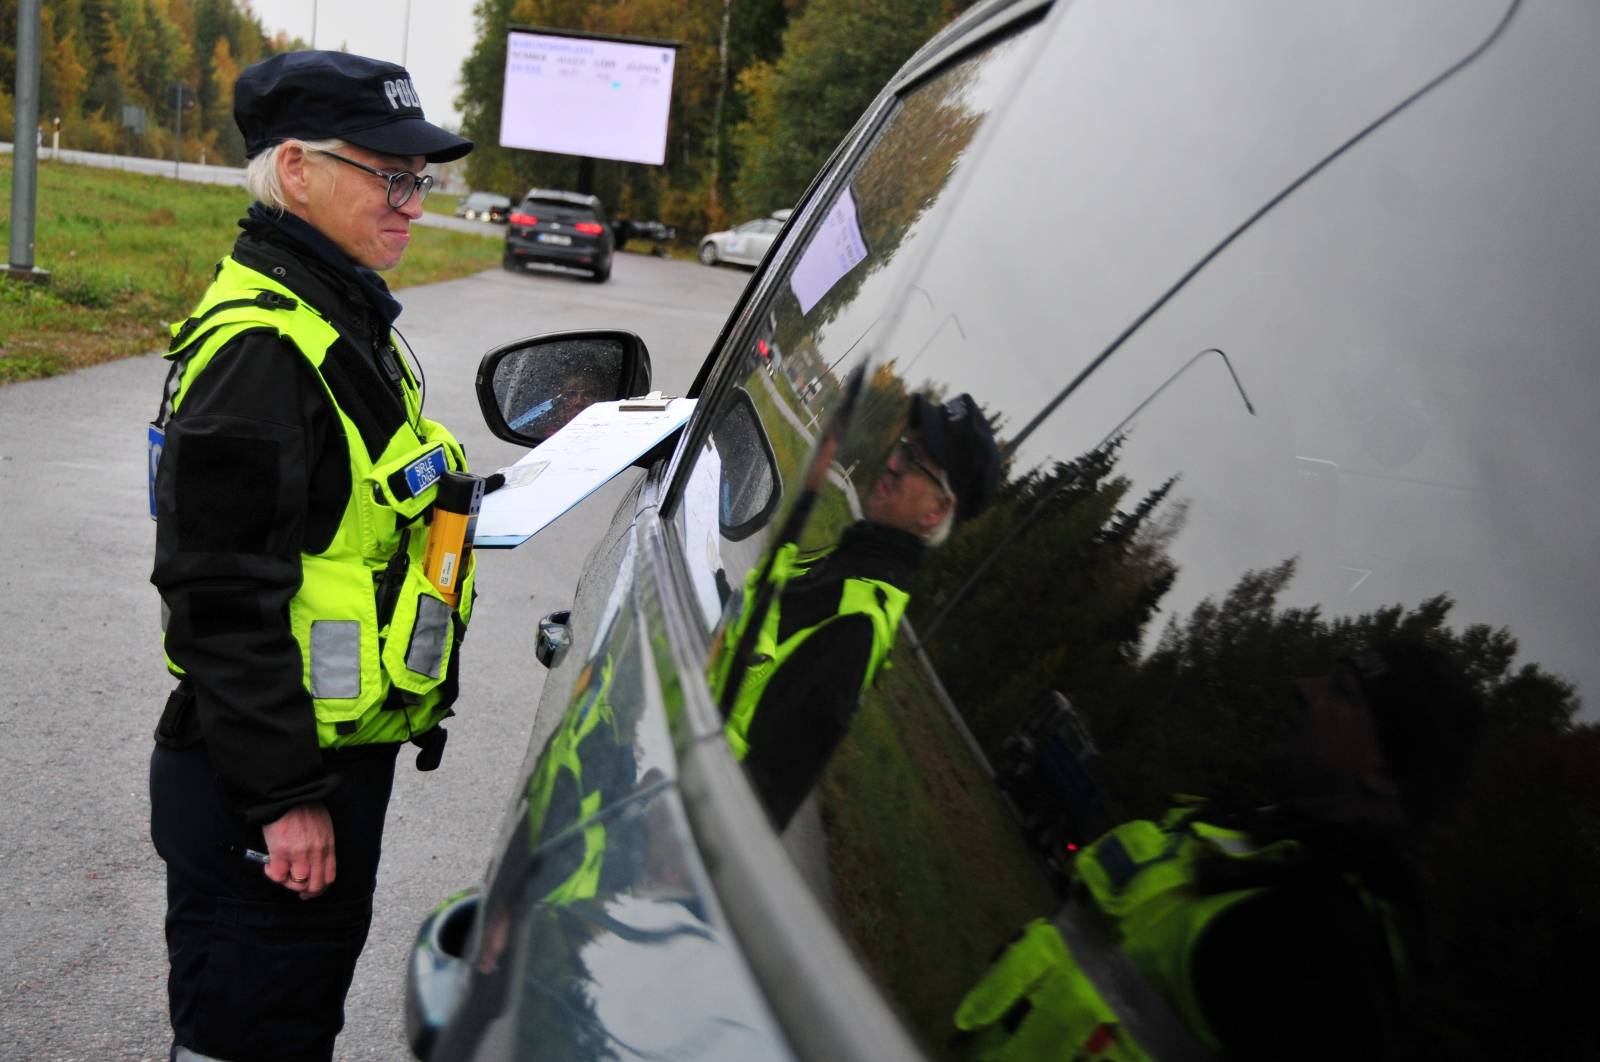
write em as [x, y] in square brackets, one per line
[1079, 566]
[763, 91]
[125, 75]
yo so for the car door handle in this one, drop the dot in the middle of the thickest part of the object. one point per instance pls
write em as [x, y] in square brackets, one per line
[555, 638]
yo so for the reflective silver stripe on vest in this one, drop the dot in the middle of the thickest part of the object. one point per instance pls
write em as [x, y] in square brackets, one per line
[335, 658]
[426, 651]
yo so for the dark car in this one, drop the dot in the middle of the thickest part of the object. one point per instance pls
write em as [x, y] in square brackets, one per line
[1048, 768]
[659, 233]
[484, 206]
[559, 228]
[1309, 360]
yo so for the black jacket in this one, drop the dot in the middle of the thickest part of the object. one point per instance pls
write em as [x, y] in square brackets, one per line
[810, 701]
[1309, 968]
[255, 472]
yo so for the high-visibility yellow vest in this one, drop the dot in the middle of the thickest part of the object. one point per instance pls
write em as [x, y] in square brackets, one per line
[1035, 1005]
[588, 724]
[1141, 878]
[882, 603]
[351, 658]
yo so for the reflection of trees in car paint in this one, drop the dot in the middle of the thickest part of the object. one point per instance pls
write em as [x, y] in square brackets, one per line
[907, 169]
[1067, 606]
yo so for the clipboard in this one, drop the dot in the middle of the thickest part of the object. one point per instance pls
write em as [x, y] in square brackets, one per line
[573, 463]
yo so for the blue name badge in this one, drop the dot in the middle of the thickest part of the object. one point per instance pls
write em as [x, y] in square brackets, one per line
[425, 471]
[154, 443]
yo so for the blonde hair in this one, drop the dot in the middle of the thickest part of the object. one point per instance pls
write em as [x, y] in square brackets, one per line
[261, 173]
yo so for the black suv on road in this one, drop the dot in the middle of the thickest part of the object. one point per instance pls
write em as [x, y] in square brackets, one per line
[559, 228]
[1310, 358]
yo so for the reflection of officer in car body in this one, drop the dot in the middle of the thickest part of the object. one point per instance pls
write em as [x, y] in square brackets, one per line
[599, 863]
[587, 765]
[836, 610]
[1286, 932]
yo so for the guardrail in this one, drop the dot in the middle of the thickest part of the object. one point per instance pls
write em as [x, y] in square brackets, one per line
[205, 174]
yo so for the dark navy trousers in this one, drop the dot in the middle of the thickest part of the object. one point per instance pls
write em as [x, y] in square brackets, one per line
[255, 972]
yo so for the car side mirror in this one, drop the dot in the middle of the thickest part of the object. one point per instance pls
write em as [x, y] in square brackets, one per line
[751, 484]
[529, 389]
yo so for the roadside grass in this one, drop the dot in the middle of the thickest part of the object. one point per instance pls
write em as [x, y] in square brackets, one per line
[930, 872]
[674, 250]
[830, 514]
[441, 203]
[129, 253]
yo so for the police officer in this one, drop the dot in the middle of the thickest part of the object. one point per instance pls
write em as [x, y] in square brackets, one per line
[1287, 932]
[835, 611]
[293, 470]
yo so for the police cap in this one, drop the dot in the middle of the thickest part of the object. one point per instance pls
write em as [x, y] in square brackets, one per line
[957, 436]
[335, 95]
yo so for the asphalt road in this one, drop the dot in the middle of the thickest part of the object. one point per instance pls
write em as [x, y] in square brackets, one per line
[82, 962]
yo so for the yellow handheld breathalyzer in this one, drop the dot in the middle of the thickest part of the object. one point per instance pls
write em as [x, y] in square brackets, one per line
[455, 518]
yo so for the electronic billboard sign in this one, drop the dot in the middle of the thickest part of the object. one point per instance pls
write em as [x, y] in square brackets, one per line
[579, 94]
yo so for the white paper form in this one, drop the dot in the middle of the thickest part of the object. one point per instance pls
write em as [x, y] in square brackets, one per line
[571, 465]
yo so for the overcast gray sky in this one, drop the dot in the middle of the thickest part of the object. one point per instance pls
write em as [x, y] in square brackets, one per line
[440, 35]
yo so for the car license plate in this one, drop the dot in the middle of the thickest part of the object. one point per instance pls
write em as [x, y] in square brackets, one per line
[557, 238]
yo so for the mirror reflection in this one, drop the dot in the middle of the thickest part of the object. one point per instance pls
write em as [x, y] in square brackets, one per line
[540, 388]
[750, 486]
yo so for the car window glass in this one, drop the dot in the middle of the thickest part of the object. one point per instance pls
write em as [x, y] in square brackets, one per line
[1370, 417]
[556, 211]
[789, 362]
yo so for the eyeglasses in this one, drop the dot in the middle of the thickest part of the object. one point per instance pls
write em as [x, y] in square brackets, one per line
[906, 450]
[402, 185]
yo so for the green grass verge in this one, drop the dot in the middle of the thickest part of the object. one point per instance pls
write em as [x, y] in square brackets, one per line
[441, 203]
[930, 872]
[129, 253]
[675, 251]
[831, 513]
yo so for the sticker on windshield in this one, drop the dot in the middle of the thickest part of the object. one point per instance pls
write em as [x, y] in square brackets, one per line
[837, 248]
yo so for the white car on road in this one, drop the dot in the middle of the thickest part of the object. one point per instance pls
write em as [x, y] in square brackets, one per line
[745, 245]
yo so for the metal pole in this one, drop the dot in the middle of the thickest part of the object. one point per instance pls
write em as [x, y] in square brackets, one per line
[25, 144]
[313, 23]
[405, 42]
[177, 125]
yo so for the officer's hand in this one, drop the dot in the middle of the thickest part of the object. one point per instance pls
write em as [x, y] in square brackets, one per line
[300, 845]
